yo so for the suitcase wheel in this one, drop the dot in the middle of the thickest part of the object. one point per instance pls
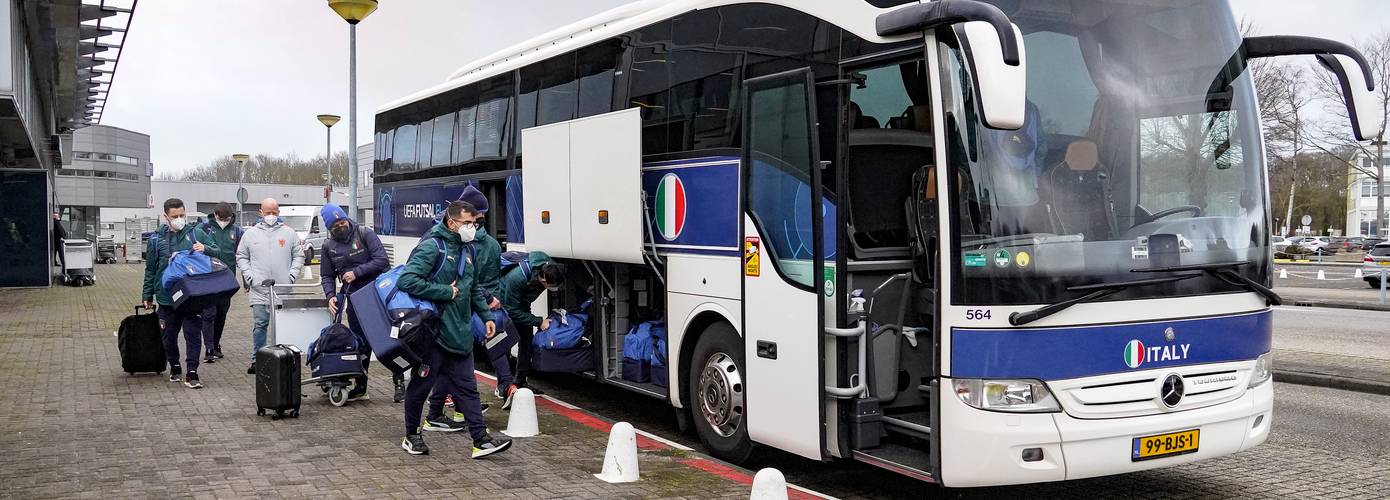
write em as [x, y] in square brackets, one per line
[294, 413]
[260, 411]
[338, 396]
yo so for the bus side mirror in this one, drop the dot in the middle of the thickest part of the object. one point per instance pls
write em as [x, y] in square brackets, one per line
[993, 49]
[1353, 73]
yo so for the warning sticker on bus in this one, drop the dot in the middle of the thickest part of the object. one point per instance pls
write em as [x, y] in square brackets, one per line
[752, 258]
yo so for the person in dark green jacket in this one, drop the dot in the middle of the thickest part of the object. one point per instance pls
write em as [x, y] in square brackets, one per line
[172, 237]
[454, 293]
[518, 288]
[219, 236]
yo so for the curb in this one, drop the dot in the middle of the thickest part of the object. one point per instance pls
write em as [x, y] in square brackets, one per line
[1333, 382]
[1336, 305]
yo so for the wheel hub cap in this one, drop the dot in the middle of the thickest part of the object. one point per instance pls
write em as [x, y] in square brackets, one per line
[721, 394]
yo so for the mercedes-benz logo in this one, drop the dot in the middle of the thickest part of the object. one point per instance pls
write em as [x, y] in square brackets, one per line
[1168, 334]
[1172, 390]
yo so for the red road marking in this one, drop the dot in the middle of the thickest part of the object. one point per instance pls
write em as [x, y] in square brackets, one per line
[648, 444]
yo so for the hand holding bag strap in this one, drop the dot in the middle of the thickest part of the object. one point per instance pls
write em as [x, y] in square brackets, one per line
[342, 296]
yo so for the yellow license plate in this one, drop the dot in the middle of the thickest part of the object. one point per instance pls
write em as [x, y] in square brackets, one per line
[1164, 445]
[1384, 263]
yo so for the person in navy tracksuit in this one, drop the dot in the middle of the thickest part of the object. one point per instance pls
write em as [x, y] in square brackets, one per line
[355, 255]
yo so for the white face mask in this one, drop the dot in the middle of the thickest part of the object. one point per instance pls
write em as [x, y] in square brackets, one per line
[178, 223]
[223, 223]
[270, 219]
[467, 233]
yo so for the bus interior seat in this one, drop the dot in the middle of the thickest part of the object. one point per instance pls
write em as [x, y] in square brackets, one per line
[1074, 188]
[882, 162]
[857, 120]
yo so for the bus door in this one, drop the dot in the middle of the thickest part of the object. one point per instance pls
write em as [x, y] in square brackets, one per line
[784, 272]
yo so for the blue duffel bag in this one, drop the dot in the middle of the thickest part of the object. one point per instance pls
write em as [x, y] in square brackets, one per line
[565, 332]
[399, 328]
[196, 281]
[637, 352]
[501, 343]
[658, 358]
[336, 351]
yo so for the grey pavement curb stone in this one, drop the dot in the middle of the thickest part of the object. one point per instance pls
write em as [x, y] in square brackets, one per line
[1337, 304]
[1316, 264]
[1333, 382]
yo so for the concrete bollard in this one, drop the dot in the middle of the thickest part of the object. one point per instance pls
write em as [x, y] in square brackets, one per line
[307, 275]
[620, 461]
[1358, 274]
[1321, 276]
[769, 484]
[1283, 274]
[522, 420]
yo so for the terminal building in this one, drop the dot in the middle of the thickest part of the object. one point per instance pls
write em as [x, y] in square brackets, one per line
[57, 61]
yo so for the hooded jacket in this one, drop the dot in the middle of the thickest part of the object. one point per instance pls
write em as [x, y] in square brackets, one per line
[162, 245]
[455, 312]
[362, 253]
[487, 252]
[269, 252]
[218, 242]
[518, 290]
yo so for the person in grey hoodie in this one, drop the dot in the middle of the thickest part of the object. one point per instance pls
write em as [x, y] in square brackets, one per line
[270, 252]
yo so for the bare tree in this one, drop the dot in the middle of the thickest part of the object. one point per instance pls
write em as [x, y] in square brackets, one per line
[267, 169]
[1335, 138]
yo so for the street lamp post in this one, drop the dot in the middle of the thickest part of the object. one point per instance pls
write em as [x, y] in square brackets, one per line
[240, 179]
[328, 122]
[352, 11]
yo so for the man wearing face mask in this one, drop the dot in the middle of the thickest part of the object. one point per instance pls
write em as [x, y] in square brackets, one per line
[270, 252]
[355, 255]
[518, 288]
[176, 235]
[219, 236]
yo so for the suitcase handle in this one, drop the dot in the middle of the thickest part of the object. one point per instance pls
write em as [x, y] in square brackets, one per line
[138, 307]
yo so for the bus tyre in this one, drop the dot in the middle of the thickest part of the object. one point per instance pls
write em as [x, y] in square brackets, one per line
[717, 393]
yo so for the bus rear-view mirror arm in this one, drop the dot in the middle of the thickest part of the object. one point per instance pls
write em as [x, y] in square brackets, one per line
[993, 49]
[1352, 70]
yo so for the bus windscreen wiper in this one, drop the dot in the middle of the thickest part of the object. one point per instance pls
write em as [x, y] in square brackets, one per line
[1097, 291]
[1224, 271]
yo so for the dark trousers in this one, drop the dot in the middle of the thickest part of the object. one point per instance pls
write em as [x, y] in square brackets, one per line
[360, 384]
[454, 375]
[500, 363]
[523, 353]
[214, 319]
[170, 322]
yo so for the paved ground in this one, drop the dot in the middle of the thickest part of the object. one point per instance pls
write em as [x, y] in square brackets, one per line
[1342, 348]
[74, 425]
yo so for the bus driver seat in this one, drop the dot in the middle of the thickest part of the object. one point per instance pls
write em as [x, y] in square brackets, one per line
[1074, 188]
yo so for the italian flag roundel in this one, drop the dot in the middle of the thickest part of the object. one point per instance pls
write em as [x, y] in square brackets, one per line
[670, 207]
[1134, 353]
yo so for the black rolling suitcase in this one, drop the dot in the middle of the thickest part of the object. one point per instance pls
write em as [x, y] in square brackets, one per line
[142, 348]
[277, 380]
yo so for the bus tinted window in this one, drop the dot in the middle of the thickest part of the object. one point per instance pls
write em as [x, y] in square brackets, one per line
[597, 68]
[442, 140]
[464, 134]
[492, 127]
[650, 84]
[403, 151]
[424, 144]
[559, 90]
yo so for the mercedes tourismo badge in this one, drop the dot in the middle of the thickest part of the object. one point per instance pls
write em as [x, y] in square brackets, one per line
[1172, 390]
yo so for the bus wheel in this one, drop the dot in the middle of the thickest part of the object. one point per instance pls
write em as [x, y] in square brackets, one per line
[717, 393]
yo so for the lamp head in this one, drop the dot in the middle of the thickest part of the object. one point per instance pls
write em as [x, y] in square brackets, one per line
[241, 158]
[329, 120]
[353, 11]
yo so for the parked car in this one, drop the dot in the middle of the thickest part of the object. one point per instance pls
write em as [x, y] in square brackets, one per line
[1351, 244]
[1370, 242]
[1320, 245]
[1279, 243]
[1376, 260]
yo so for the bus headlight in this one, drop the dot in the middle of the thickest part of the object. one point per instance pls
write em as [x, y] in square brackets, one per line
[1021, 395]
[1264, 369]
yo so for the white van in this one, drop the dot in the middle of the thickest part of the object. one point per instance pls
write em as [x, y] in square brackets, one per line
[304, 219]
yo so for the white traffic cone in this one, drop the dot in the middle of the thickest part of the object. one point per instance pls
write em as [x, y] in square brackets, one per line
[1321, 276]
[522, 420]
[620, 461]
[1283, 274]
[769, 484]
[308, 274]
[1358, 274]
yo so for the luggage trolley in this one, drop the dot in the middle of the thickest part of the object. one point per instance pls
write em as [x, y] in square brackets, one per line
[78, 261]
[300, 312]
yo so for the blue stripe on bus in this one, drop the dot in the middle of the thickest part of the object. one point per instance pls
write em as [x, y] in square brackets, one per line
[1071, 352]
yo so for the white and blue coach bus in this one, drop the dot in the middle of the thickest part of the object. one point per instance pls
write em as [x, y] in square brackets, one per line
[973, 242]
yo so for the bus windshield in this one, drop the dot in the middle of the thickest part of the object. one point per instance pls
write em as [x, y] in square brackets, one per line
[1140, 149]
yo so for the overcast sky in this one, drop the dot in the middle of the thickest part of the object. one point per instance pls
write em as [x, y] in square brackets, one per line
[209, 79]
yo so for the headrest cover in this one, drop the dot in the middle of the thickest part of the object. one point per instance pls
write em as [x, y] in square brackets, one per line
[1082, 155]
